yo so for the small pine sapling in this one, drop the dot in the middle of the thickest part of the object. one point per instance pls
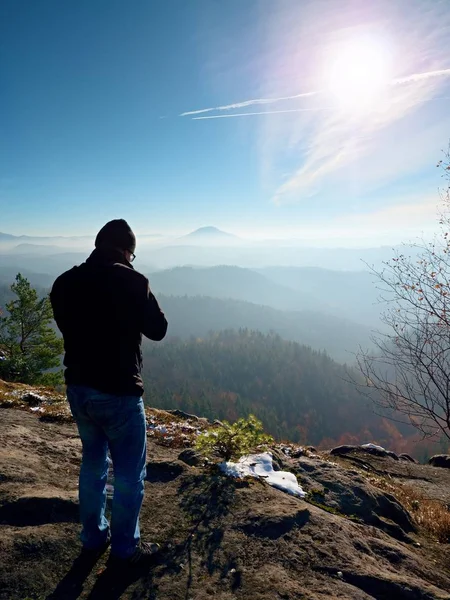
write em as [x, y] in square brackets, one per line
[231, 442]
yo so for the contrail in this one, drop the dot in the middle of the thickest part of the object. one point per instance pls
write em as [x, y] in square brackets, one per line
[248, 103]
[408, 79]
[263, 112]
[420, 76]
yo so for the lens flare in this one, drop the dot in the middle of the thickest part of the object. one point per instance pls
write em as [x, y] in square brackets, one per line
[359, 73]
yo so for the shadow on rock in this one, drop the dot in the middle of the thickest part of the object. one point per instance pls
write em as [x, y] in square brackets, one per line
[32, 511]
[206, 499]
[275, 526]
[111, 583]
[71, 586]
[163, 472]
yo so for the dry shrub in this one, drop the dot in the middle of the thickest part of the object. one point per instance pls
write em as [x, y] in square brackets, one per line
[161, 417]
[174, 440]
[432, 516]
[53, 407]
[59, 412]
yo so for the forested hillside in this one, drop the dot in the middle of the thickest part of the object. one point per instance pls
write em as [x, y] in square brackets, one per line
[199, 315]
[299, 394]
[5, 294]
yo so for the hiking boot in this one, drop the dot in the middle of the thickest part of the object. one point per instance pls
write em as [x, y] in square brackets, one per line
[95, 553]
[143, 554]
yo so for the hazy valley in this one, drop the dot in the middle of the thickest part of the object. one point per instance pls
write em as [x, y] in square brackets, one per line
[227, 315]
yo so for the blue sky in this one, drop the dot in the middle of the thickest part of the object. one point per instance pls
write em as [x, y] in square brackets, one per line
[93, 123]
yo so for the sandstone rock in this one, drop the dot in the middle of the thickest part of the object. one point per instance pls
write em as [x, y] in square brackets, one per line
[163, 471]
[300, 451]
[191, 457]
[221, 538]
[369, 449]
[351, 495]
[274, 525]
[279, 459]
[407, 457]
[184, 415]
[342, 450]
[440, 460]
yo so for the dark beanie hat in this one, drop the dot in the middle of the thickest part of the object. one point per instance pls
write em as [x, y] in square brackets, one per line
[116, 234]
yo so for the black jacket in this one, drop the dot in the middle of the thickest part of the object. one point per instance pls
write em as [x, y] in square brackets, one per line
[102, 308]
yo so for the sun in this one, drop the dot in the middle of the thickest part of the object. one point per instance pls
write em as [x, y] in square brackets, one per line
[358, 73]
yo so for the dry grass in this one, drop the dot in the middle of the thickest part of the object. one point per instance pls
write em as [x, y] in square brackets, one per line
[432, 516]
[57, 411]
[52, 407]
[178, 432]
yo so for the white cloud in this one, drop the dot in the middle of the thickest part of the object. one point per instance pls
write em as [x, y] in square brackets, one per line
[342, 140]
[407, 221]
[319, 147]
[417, 214]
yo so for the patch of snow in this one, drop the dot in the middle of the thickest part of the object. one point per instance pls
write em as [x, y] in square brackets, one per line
[36, 409]
[374, 446]
[159, 428]
[260, 465]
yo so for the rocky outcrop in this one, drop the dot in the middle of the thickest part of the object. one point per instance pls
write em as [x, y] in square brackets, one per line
[191, 457]
[440, 460]
[407, 458]
[221, 537]
[367, 448]
[346, 492]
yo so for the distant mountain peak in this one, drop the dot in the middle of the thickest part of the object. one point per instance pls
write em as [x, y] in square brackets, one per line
[209, 231]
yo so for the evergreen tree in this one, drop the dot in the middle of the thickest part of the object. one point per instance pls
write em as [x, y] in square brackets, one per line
[233, 441]
[29, 347]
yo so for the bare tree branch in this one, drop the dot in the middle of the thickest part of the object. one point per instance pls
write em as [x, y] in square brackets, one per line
[408, 372]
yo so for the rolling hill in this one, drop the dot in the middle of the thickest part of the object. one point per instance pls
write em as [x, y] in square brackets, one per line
[347, 295]
[198, 315]
[230, 282]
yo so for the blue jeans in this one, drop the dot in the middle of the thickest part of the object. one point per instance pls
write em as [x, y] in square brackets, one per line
[118, 423]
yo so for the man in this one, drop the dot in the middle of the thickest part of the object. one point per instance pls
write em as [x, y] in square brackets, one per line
[102, 309]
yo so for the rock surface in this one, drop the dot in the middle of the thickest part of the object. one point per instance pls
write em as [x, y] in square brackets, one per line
[440, 460]
[347, 493]
[369, 449]
[407, 457]
[222, 538]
